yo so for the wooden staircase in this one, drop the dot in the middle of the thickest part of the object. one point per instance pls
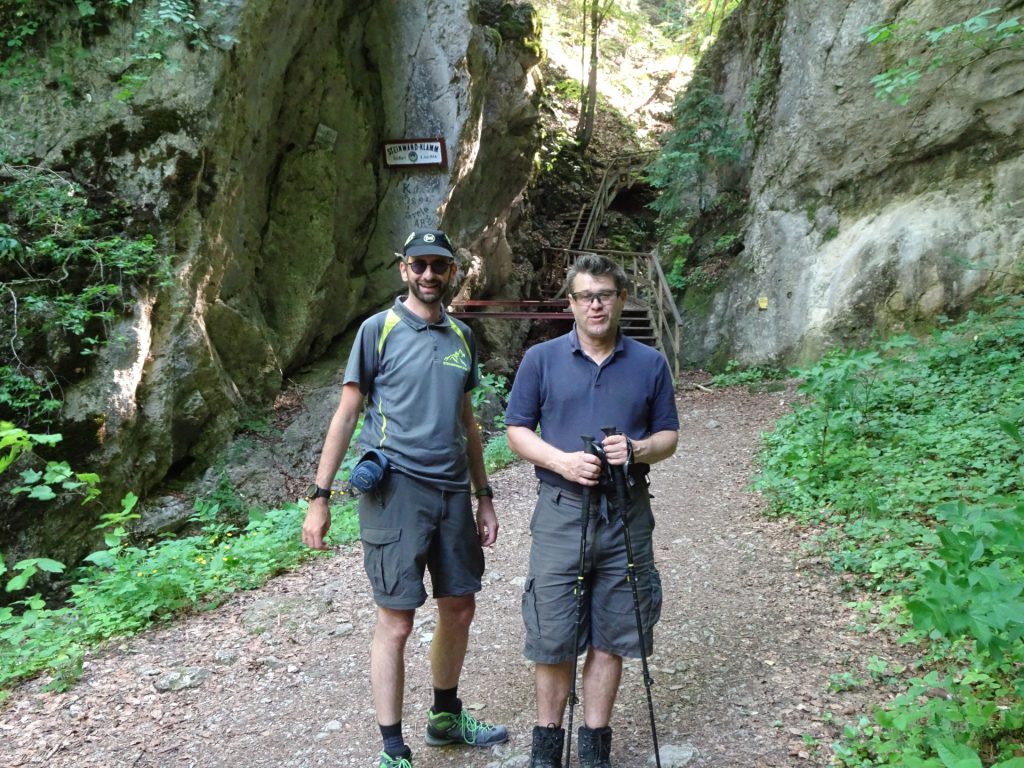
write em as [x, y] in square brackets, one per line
[622, 172]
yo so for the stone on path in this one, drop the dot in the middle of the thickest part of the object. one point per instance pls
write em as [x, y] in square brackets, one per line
[675, 755]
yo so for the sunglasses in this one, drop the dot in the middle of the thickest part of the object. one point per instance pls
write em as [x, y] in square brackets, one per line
[438, 266]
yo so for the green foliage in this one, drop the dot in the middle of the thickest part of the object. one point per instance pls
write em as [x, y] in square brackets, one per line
[67, 270]
[515, 22]
[39, 485]
[125, 588]
[908, 456]
[694, 24]
[701, 142]
[492, 392]
[497, 454]
[16, 441]
[951, 48]
[54, 479]
[735, 374]
[28, 26]
[489, 401]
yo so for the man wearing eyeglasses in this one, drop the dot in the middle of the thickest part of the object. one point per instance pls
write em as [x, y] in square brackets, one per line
[415, 366]
[571, 386]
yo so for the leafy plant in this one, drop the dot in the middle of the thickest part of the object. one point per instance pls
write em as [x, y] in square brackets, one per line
[908, 455]
[67, 272]
[953, 47]
[124, 588]
[735, 373]
[702, 141]
[497, 454]
[694, 24]
[27, 25]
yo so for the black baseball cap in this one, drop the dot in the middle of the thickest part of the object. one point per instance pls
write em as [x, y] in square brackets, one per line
[427, 242]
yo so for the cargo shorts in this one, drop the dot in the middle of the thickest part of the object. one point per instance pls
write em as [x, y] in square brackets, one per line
[408, 526]
[607, 612]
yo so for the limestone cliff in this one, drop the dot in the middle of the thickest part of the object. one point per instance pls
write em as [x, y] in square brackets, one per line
[862, 215]
[257, 160]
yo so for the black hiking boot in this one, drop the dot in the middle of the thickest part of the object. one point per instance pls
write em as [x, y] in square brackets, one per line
[548, 744]
[595, 747]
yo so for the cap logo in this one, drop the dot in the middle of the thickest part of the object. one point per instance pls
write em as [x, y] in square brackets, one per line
[428, 238]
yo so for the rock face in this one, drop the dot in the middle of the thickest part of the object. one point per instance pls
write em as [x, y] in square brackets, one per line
[863, 215]
[258, 160]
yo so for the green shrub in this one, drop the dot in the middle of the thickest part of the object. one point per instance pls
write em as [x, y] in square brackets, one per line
[68, 271]
[908, 457]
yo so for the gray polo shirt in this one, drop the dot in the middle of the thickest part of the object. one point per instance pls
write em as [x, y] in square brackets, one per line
[414, 375]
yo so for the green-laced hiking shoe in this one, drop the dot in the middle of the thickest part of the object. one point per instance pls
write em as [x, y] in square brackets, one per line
[387, 761]
[446, 728]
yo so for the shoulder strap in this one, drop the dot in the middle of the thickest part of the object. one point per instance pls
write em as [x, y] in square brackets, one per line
[391, 319]
[458, 331]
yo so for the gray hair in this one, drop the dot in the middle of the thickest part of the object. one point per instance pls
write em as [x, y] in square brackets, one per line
[596, 265]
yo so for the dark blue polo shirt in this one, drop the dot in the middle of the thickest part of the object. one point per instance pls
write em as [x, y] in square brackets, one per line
[558, 387]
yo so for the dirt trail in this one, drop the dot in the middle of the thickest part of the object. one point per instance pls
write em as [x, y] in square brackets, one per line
[748, 639]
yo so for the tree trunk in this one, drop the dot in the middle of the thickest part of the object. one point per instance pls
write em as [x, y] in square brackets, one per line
[588, 108]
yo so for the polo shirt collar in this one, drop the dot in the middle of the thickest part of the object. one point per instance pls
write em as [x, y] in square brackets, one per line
[574, 343]
[414, 320]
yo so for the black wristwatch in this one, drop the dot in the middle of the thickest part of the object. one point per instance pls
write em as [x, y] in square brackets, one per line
[484, 493]
[316, 492]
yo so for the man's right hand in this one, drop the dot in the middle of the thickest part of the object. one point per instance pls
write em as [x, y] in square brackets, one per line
[581, 467]
[317, 523]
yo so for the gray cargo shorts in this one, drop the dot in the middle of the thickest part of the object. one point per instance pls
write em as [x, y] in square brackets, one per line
[607, 615]
[407, 526]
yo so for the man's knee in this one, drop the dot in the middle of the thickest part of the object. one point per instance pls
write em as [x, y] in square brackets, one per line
[456, 611]
[394, 626]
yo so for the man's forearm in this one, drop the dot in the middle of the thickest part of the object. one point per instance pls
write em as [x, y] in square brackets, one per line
[339, 435]
[527, 444]
[474, 446]
[655, 448]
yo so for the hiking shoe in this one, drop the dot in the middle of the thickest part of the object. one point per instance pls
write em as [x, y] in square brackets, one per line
[547, 747]
[446, 728]
[402, 761]
[595, 747]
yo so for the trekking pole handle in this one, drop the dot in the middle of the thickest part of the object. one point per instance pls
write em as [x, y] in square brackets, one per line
[618, 472]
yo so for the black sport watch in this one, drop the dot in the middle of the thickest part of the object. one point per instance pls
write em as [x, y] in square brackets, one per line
[316, 492]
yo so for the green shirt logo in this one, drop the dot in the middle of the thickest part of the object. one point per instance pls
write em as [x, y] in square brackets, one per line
[457, 359]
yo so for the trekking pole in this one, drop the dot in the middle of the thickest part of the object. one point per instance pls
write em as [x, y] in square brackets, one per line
[588, 447]
[619, 480]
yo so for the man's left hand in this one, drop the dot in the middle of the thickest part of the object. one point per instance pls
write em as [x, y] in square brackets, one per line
[486, 521]
[616, 449]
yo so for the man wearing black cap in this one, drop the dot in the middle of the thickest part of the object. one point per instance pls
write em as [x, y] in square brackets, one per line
[415, 367]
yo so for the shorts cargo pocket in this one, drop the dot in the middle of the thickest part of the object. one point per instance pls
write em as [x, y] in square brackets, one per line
[652, 599]
[381, 556]
[530, 619]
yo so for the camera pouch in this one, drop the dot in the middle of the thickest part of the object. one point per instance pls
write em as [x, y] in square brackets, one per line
[368, 473]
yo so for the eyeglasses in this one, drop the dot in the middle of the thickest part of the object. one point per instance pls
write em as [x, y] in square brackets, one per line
[587, 297]
[438, 266]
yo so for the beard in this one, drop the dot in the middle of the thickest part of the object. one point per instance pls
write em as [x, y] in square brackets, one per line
[435, 294]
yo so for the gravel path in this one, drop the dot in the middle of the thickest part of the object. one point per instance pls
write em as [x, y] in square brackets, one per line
[749, 636]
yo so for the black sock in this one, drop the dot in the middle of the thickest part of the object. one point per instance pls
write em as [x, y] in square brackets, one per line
[446, 700]
[394, 744]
